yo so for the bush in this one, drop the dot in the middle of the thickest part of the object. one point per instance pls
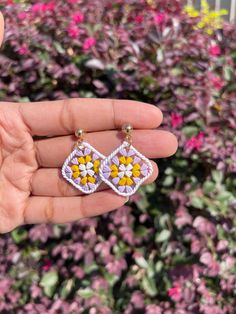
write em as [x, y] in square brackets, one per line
[172, 248]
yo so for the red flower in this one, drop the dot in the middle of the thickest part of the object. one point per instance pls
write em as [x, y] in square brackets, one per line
[139, 18]
[73, 31]
[195, 142]
[47, 265]
[214, 51]
[217, 82]
[176, 120]
[175, 292]
[89, 43]
[78, 17]
[23, 50]
[159, 18]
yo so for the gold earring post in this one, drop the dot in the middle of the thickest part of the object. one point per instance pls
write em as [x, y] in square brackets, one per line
[128, 129]
[80, 135]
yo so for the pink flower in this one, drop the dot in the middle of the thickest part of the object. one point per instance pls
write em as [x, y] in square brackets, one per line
[43, 7]
[176, 120]
[78, 17]
[215, 51]
[217, 82]
[47, 265]
[175, 292]
[21, 15]
[73, 31]
[159, 18]
[23, 50]
[89, 43]
[195, 142]
[139, 18]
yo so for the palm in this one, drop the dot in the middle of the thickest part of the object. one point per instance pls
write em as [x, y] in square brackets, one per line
[17, 166]
[32, 189]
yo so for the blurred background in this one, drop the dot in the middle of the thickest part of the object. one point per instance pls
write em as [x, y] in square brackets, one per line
[172, 248]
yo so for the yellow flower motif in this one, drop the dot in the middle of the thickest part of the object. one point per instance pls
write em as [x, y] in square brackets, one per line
[126, 169]
[126, 160]
[87, 179]
[209, 20]
[96, 165]
[76, 172]
[84, 160]
[136, 170]
[126, 181]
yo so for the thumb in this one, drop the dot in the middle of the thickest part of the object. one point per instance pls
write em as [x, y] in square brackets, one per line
[1, 28]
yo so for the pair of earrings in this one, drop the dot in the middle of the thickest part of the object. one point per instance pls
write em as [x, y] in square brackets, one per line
[124, 170]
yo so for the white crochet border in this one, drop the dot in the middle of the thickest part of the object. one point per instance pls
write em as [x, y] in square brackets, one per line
[68, 159]
[108, 159]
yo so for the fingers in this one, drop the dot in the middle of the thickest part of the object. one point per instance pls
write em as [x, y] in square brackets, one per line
[68, 209]
[152, 143]
[1, 28]
[49, 182]
[63, 117]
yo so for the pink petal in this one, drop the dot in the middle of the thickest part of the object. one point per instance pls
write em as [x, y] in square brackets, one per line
[74, 161]
[106, 169]
[121, 188]
[131, 152]
[87, 151]
[115, 159]
[123, 151]
[95, 156]
[136, 160]
[116, 180]
[144, 172]
[129, 189]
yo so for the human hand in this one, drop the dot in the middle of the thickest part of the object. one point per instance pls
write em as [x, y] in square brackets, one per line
[32, 189]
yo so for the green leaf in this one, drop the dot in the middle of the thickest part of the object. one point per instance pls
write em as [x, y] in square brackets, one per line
[163, 236]
[197, 202]
[224, 196]
[86, 293]
[66, 288]
[208, 187]
[168, 181]
[59, 47]
[141, 262]
[217, 176]
[48, 282]
[149, 286]
[19, 235]
[189, 131]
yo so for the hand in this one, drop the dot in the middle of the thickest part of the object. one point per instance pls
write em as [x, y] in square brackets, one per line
[32, 189]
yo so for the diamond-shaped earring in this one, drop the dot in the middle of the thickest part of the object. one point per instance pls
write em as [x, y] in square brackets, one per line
[126, 168]
[81, 168]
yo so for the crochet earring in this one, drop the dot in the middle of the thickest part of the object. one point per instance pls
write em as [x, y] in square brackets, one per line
[81, 168]
[126, 168]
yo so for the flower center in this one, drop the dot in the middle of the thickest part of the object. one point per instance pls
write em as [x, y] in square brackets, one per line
[86, 169]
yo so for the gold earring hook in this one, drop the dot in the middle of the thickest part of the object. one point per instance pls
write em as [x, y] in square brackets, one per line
[80, 135]
[128, 129]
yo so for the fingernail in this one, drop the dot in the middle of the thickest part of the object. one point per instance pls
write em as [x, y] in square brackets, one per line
[127, 199]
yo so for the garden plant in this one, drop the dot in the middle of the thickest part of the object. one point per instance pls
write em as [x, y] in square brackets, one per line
[172, 247]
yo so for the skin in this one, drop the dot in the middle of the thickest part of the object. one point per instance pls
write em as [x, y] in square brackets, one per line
[32, 189]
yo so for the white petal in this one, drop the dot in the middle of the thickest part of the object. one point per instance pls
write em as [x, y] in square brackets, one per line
[84, 173]
[128, 173]
[121, 174]
[91, 173]
[129, 167]
[89, 165]
[122, 167]
[82, 167]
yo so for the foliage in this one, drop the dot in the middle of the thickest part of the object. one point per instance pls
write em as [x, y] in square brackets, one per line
[172, 248]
